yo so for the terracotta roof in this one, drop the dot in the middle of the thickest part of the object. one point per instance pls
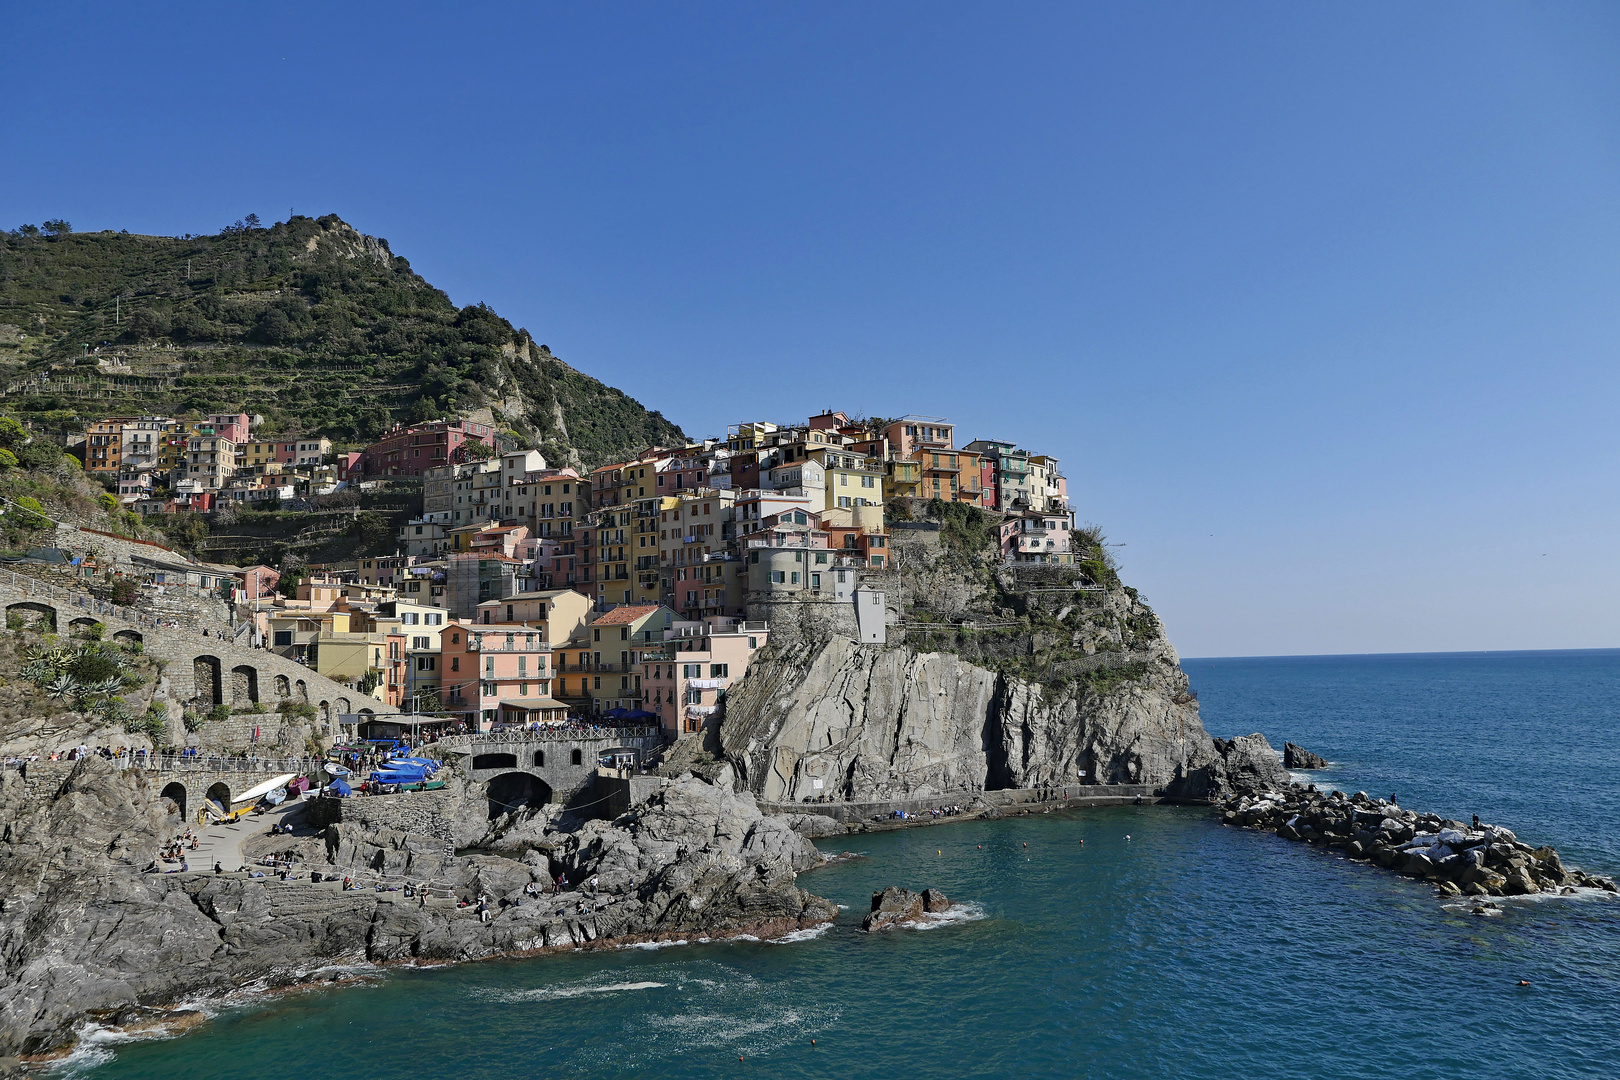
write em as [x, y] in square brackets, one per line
[625, 615]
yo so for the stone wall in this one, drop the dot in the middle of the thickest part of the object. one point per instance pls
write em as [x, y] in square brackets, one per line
[421, 813]
[203, 671]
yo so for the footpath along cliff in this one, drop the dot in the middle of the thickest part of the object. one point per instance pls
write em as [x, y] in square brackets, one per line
[993, 677]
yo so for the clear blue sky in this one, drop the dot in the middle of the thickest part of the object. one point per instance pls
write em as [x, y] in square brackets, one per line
[1317, 303]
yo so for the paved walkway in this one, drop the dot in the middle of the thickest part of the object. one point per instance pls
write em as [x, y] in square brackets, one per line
[223, 842]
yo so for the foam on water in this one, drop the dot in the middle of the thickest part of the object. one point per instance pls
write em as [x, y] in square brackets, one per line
[543, 993]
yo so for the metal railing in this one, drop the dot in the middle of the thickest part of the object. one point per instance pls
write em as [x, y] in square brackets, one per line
[572, 732]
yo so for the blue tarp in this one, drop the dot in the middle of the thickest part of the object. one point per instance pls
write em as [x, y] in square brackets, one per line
[338, 787]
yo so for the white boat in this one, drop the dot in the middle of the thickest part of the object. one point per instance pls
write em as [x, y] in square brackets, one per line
[258, 791]
[276, 797]
[334, 769]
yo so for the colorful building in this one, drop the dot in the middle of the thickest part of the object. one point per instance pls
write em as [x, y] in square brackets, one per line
[482, 666]
[411, 451]
[682, 683]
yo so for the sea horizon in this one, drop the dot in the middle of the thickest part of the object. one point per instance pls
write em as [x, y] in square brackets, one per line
[1393, 655]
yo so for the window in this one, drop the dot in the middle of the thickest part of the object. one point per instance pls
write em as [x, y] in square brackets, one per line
[624, 633]
[777, 577]
[425, 663]
[719, 671]
[694, 697]
[753, 643]
[574, 757]
[596, 684]
[795, 577]
[691, 671]
[420, 642]
[455, 639]
[815, 581]
[597, 635]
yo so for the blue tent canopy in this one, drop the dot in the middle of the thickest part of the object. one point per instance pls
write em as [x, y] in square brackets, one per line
[338, 787]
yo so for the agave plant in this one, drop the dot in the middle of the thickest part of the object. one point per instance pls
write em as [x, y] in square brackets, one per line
[63, 687]
[105, 687]
[38, 672]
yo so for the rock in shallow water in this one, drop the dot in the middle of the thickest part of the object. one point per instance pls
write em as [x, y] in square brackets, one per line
[894, 907]
[1297, 757]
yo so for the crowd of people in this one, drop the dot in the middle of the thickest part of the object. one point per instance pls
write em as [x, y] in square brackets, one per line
[936, 813]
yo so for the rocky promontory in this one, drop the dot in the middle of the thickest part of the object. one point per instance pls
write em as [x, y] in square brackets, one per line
[83, 931]
[1459, 858]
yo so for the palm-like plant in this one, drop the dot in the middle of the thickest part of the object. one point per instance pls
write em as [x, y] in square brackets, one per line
[63, 686]
[38, 672]
[105, 687]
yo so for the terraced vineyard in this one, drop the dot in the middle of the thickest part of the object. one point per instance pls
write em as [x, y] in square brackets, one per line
[309, 323]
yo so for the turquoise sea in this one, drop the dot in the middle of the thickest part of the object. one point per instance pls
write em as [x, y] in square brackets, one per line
[1165, 946]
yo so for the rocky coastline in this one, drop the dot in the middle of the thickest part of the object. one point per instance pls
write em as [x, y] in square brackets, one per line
[1458, 858]
[85, 934]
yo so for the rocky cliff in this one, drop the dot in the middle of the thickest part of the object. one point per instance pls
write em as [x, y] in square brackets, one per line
[873, 723]
[83, 932]
[1005, 677]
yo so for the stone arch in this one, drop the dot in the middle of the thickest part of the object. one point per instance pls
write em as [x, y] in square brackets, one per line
[283, 686]
[367, 712]
[576, 756]
[82, 626]
[325, 708]
[175, 792]
[516, 791]
[220, 794]
[539, 759]
[344, 706]
[130, 637]
[39, 616]
[494, 761]
[301, 689]
[205, 680]
[244, 684]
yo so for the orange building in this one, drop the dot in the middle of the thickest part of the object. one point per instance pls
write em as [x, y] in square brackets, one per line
[103, 444]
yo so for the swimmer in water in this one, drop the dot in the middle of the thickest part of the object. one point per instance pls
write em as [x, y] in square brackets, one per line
[1127, 836]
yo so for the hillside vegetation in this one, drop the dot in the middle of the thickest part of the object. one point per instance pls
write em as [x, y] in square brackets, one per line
[315, 326]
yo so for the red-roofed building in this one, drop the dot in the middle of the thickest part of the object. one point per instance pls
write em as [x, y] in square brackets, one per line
[411, 451]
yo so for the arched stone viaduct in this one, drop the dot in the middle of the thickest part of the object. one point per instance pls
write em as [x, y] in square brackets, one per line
[201, 671]
[530, 768]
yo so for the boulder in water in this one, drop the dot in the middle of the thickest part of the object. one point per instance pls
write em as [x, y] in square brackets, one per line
[895, 906]
[1297, 757]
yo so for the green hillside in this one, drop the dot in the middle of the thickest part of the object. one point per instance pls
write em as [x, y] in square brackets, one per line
[317, 327]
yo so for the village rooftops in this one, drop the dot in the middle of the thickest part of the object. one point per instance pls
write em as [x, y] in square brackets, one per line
[624, 615]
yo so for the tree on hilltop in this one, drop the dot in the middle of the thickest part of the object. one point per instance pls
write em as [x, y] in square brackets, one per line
[57, 227]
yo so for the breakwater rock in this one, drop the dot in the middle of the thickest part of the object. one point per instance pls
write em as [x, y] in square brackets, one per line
[85, 933]
[895, 907]
[1459, 858]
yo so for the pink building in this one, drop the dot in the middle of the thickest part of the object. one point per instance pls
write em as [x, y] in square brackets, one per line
[682, 683]
[232, 426]
[910, 434]
[484, 665]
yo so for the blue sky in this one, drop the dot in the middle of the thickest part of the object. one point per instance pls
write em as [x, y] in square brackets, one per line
[1317, 303]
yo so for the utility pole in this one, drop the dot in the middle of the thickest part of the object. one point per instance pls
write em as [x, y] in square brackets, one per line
[117, 310]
